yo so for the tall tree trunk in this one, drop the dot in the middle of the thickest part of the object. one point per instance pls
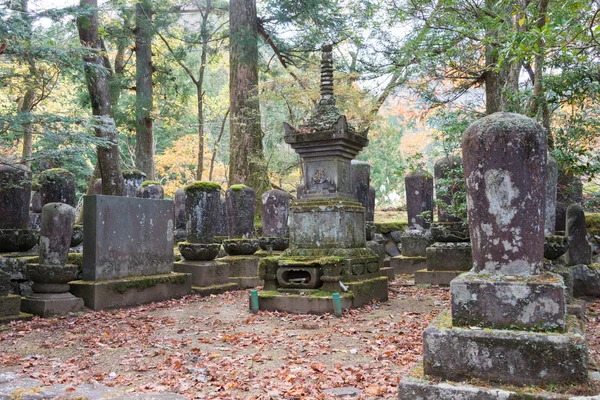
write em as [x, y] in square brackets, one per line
[247, 163]
[25, 115]
[97, 84]
[204, 38]
[217, 145]
[144, 138]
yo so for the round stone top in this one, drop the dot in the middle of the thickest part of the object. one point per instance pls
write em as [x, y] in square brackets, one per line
[132, 174]
[502, 123]
[148, 183]
[418, 173]
[449, 160]
[203, 186]
[54, 175]
[237, 188]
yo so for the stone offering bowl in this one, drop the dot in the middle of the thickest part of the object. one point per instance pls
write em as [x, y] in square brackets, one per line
[450, 232]
[18, 239]
[199, 251]
[240, 247]
[77, 236]
[51, 278]
[555, 246]
[275, 242]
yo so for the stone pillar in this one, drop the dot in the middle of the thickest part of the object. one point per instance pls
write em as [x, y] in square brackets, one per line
[15, 196]
[201, 211]
[360, 173]
[551, 180]
[240, 201]
[275, 211]
[569, 190]
[55, 233]
[180, 218]
[579, 251]
[150, 190]
[419, 198]
[36, 202]
[505, 168]
[448, 167]
[133, 180]
[221, 232]
[57, 185]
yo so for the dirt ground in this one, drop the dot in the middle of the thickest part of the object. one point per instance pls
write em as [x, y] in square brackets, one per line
[214, 347]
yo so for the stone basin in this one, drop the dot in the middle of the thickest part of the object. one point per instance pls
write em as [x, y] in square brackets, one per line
[555, 246]
[17, 239]
[52, 274]
[240, 247]
[199, 251]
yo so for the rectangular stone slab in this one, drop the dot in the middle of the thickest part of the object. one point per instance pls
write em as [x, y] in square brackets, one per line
[407, 265]
[498, 301]
[424, 277]
[511, 357]
[126, 236]
[10, 305]
[204, 273]
[449, 256]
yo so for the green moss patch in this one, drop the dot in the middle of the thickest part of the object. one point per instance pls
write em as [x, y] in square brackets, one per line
[387, 227]
[132, 173]
[237, 188]
[148, 183]
[202, 186]
[145, 282]
[56, 175]
[592, 223]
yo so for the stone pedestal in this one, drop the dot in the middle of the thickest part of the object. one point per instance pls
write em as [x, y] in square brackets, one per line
[445, 261]
[208, 277]
[10, 304]
[243, 270]
[408, 265]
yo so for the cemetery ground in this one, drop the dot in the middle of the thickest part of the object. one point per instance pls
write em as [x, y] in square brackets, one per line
[213, 347]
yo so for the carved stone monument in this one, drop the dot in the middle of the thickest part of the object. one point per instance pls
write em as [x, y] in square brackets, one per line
[327, 252]
[508, 323]
[275, 212]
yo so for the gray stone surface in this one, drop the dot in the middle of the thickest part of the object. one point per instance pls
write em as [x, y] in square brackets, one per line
[586, 280]
[201, 210]
[98, 186]
[150, 191]
[442, 278]
[275, 212]
[504, 158]
[57, 185]
[36, 202]
[56, 230]
[551, 182]
[447, 256]
[240, 202]
[4, 283]
[504, 356]
[133, 180]
[415, 242]
[569, 190]
[579, 251]
[377, 248]
[222, 219]
[407, 265]
[50, 304]
[15, 196]
[9, 305]
[204, 273]
[360, 176]
[179, 208]
[391, 248]
[499, 302]
[342, 392]
[419, 198]
[126, 237]
[447, 172]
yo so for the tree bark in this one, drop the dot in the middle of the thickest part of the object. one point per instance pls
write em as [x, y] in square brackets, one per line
[144, 137]
[25, 114]
[97, 84]
[247, 163]
[204, 38]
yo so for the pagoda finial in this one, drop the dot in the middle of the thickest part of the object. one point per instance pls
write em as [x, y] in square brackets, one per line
[327, 97]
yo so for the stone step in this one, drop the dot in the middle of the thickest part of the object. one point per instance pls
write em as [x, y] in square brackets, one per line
[424, 277]
[407, 265]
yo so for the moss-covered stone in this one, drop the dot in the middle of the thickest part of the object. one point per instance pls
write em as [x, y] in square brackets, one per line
[592, 223]
[132, 173]
[202, 187]
[54, 175]
[146, 282]
[387, 227]
[237, 188]
[148, 183]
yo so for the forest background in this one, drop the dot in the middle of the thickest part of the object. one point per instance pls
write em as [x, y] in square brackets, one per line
[416, 73]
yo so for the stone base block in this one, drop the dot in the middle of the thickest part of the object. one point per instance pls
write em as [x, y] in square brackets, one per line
[504, 302]
[504, 356]
[449, 257]
[10, 305]
[388, 272]
[246, 282]
[241, 265]
[215, 289]
[416, 386]
[204, 273]
[99, 295]
[367, 290]
[577, 308]
[21, 316]
[47, 305]
[443, 278]
[407, 265]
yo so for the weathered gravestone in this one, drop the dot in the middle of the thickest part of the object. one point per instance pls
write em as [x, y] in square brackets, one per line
[133, 179]
[569, 190]
[580, 251]
[419, 198]
[360, 173]
[508, 322]
[51, 274]
[15, 195]
[221, 231]
[150, 190]
[327, 252]
[275, 212]
[202, 201]
[241, 244]
[180, 233]
[551, 182]
[128, 253]
[57, 185]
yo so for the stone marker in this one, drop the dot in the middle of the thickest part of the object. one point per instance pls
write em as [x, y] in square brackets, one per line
[36, 202]
[551, 182]
[10, 304]
[275, 210]
[240, 200]
[150, 190]
[15, 196]
[221, 231]
[128, 253]
[57, 185]
[569, 190]
[133, 180]
[507, 320]
[51, 275]
[448, 167]
[360, 173]
[419, 198]
[180, 233]
[579, 251]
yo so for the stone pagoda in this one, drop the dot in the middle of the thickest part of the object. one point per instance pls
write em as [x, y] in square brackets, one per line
[328, 252]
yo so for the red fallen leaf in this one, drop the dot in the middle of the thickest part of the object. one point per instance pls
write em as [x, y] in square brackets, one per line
[374, 390]
[316, 366]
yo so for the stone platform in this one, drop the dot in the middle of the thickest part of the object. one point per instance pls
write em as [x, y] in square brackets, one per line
[442, 278]
[208, 277]
[243, 270]
[49, 304]
[10, 307]
[407, 265]
[131, 291]
[415, 385]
